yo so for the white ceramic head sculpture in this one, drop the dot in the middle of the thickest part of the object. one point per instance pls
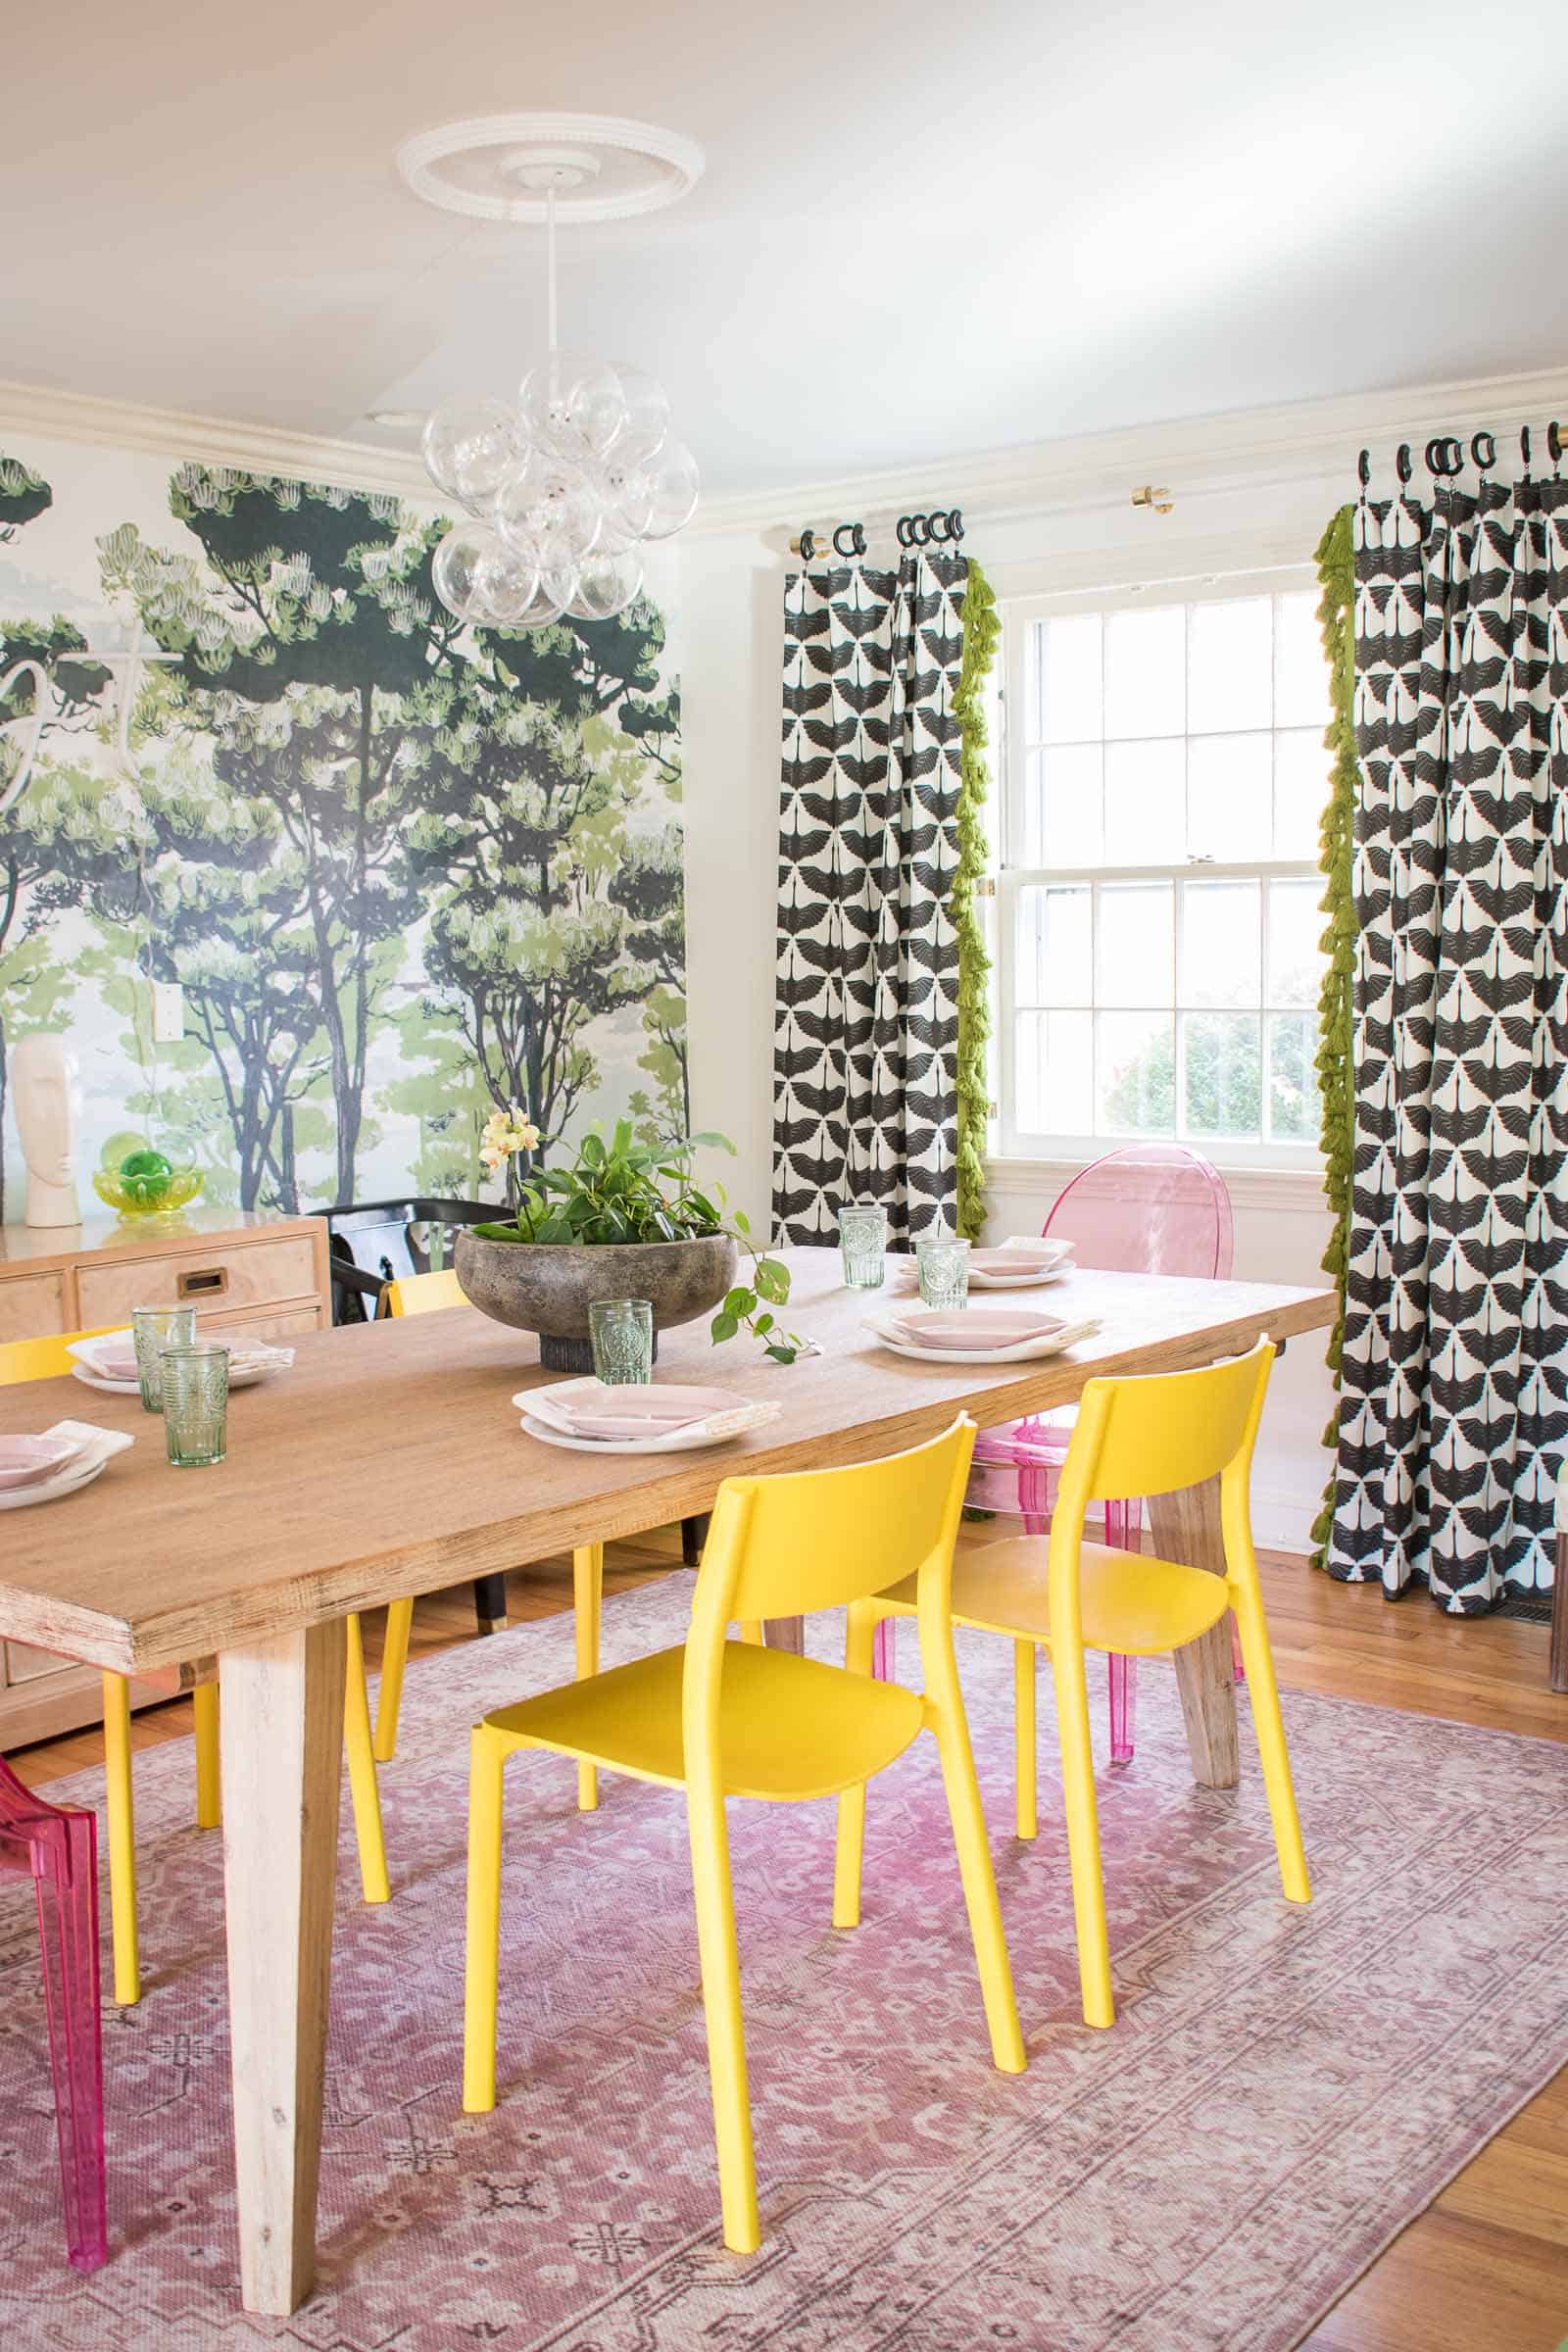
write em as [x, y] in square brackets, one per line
[45, 1099]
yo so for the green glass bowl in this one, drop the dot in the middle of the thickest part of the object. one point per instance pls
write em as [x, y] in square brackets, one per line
[178, 1192]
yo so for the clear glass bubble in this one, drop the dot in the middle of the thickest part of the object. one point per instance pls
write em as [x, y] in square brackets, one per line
[646, 425]
[572, 404]
[515, 507]
[672, 485]
[607, 584]
[626, 496]
[568, 517]
[506, 587]
[548, 601]
[471, 446]
[458, 564]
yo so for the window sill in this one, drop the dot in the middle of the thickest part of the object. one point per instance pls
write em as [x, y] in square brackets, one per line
[1293, 1190]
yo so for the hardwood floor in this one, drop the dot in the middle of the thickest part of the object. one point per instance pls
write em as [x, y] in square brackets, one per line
[1485, 2269]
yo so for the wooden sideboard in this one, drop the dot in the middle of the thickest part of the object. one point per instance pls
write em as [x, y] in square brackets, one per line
[266, 1276]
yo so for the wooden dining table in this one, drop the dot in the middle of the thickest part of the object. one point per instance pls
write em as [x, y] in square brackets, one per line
[390, 1462]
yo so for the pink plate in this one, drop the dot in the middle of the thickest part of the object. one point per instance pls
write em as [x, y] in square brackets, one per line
[1018, 1261]
[27, 1461]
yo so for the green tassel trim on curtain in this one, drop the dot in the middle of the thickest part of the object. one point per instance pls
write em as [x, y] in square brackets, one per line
[981, 630]
[1336, 570]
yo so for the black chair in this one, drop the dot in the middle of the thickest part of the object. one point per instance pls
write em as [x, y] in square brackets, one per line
[375, 1243]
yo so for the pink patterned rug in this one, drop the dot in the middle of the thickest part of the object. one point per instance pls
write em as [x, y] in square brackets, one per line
[1284, 2089]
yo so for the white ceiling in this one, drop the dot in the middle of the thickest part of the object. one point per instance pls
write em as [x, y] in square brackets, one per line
[924, 230]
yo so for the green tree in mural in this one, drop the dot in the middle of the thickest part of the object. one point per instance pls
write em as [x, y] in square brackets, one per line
[526, 799]
[24, 497]
[315, 653]
[650, 884]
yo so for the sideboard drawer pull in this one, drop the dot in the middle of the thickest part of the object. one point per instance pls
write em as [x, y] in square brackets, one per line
[209, 1283]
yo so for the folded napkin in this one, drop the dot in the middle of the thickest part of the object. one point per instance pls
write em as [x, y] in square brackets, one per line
[28, 1462]
[108, 1355]
[974, 1330]
[595, 1409]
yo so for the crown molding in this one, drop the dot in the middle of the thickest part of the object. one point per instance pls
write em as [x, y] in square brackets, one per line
[214, 440]
[1238, 448]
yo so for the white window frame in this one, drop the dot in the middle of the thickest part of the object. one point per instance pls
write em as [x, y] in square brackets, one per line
[1009, 1144]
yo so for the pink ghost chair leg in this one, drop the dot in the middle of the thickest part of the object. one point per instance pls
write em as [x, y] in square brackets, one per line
[56, 1847]
[1147, 1208]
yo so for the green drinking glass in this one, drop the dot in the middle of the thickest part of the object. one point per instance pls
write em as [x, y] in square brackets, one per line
[863, 1243]
[622, 1333]
[155, 1328]
[941, 1266]
[195, 1383]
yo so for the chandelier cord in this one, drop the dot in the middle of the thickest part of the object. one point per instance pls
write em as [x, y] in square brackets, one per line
[550, 217]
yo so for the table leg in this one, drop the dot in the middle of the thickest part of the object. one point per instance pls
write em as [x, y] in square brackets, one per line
[785, 1633]
[282, 1750]
[1186, 1527]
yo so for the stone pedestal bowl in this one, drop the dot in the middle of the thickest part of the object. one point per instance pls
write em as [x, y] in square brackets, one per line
[548, 1287]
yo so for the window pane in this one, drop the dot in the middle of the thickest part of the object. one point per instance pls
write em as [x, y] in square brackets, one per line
[1061, 807]
[1230, 665]
[1292, 1097]
[1301, 791]
[1222, 1086]
[1055, 963]
[1146, 666]
[1296, 924]
[1220, 945]
[1229, 781]
[1300, 670]
[1136, 1071]
[1068, 655]
[1053, 1080]
[1146, 815]
[1134, 962]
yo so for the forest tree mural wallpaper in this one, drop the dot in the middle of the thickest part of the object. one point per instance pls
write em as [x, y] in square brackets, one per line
[402, 870]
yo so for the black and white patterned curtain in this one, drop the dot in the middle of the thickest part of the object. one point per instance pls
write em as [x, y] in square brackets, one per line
[866, 1027]
[1454, 1409]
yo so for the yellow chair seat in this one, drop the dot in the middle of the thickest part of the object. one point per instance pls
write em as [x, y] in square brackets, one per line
[789, 1728]
[1133, 1603]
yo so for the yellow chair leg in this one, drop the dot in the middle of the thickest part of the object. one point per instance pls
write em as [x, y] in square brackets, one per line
[209, 1781]
[968, 1816]
[363, 1786]
[1083, 1836]
[483, 1958]
[849, 1844]
[587, 1593]
[1025, 1741]
[1273, 1755]
[121, 1814]
[394, 1658]
[713, 1898]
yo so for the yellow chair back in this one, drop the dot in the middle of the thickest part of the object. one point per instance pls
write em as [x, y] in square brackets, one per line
[806, 1540]
[1152, 1433]
[424, 1294]
[48, 1358]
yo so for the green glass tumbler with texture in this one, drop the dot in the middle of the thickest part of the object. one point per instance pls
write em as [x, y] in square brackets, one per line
[196, 1404]
[863, 1243]
[942, 1268]
[621, 1333]
[153, 1329]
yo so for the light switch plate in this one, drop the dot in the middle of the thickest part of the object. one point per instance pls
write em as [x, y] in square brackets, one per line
[169, 1012]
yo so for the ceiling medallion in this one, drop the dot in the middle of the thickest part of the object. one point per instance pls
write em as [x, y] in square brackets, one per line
[565, 485]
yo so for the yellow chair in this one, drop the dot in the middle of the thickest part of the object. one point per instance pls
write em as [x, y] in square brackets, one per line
[1146, 1434]
[423, 1295]
[49, 1359]
[721, 1718]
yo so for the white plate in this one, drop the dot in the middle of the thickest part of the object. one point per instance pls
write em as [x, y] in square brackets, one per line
[1023, 1353]
[133, 1387]
[717, 1430]
[103, 1445]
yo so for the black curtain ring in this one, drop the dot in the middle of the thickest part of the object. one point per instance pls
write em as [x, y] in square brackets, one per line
[919, 531]
[1554, 443]
[941, 528]
[955, 518]
[1524, 447]
[839, 548]
[1363, 467]
[1484, 458]
[1402, 465]
[1434, 459]
[1452, 457]
[901, 531]
[860, 538]
[808, 546]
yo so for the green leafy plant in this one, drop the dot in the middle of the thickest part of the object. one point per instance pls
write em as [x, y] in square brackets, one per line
[621, 1189]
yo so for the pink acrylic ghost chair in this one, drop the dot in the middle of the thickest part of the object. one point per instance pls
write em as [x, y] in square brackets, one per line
[1146, 1208]
[56, 1847]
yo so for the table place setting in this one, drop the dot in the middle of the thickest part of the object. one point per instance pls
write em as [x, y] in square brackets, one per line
[54, 1462]
[596, 1416]
[109, 1362]
[1019, 1263]
[976, 1335]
